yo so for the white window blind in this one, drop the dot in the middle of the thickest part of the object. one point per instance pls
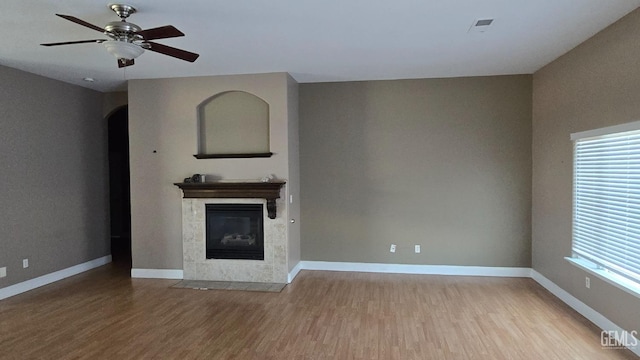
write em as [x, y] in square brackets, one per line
[606, 216]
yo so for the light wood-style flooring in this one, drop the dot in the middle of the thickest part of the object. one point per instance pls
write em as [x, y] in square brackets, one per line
[103, 314]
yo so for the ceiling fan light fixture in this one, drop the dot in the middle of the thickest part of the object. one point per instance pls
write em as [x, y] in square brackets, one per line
[123, 49]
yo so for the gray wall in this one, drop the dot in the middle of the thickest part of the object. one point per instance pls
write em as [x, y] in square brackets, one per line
[112, 101]
[596, 84]
[444, 163]
[54, 176]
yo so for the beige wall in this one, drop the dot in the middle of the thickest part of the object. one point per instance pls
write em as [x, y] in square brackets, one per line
[293, 190]
[54, 176]
[163, 139]
[596, 84]
[444, 163]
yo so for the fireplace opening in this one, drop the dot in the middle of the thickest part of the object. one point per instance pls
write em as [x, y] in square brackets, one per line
[234, 231]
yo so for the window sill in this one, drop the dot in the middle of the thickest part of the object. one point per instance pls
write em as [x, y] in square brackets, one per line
[613, 279]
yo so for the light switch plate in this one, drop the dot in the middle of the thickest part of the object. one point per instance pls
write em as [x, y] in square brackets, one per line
[3, 272]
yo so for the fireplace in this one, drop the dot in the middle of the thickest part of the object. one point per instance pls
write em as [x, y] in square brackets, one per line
[234, 231]
[196, 263]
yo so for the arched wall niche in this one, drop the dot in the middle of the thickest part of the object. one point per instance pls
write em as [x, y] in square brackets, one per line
[233, 124]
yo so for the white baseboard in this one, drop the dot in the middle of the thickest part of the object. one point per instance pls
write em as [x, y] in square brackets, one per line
[417, 269]
[173, 274]
[25, 286]
[595, 317]
[294, 272]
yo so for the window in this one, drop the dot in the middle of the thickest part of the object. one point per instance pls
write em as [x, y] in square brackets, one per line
[606, 203]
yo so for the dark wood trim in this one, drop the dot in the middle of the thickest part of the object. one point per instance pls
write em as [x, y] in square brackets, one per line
[236, 190]
[233, 156]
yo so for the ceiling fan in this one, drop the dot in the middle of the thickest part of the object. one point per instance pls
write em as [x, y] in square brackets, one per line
[127, 41]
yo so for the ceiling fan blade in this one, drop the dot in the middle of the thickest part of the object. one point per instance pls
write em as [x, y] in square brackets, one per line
[81, 22]
[74, 42]
[125, 62]
[162, 32]
[171, 51]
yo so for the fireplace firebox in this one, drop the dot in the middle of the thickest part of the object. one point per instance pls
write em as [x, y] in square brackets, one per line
[234, 231]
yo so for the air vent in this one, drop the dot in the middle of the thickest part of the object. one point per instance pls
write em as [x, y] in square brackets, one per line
[481, 25]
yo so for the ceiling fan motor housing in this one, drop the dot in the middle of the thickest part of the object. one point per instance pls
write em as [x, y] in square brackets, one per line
[123, 31]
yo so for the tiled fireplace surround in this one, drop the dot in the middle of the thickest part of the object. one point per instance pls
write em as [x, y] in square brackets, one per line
[273, 269]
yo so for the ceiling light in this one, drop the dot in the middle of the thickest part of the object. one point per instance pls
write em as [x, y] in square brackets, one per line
[89, 79]
[123, 49]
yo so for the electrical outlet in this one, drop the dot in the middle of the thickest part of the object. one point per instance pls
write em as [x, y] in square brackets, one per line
[3, 272]
[25, 263]
[393, 248]
[417, 249]
[587, 282]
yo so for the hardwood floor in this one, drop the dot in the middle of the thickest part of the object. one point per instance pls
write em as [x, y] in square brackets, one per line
[103, 314]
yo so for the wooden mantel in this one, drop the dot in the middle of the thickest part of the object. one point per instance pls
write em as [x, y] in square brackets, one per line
[236, 190]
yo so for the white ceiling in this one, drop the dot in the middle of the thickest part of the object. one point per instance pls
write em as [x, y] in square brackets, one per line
[315, 41]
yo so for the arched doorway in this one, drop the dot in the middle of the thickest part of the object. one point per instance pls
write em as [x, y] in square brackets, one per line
[119, 187]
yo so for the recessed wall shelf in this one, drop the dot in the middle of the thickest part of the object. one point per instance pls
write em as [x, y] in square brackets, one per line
[232, 156]
[233, 124]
